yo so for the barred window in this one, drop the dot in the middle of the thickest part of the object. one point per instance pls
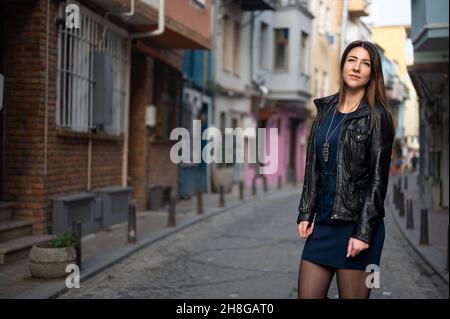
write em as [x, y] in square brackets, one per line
[75, 85]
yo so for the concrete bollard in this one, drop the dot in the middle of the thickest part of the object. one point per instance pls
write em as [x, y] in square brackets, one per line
[394, 198]
[424, 227]
[199, 202]
[402, 205]
[409, 215]
[280, 182]
[397, 197]
[77, 231]
[446, 268]
[171, 222]
[241, 190]
[131, 237]
[221, 196]
[254, 186]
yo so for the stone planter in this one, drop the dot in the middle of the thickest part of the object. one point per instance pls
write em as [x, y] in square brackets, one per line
[222, 176]
[48, 262]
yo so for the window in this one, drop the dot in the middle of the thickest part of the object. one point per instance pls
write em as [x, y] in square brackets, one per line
[225, 35]
[327, 25]
[75, 83]
[304, 52]
[319, 84]
[325, 84]
[321, 26]
[263, 45]
[281, 49]
[236, 47]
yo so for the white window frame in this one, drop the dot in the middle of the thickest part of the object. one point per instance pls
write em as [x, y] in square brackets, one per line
[304, 52]
[75, 80]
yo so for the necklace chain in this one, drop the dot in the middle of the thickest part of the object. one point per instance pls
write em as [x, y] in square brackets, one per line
[326, 145]
[327, 137]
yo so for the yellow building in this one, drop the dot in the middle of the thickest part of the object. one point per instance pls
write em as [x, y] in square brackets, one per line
[394, 39]
[325, 48]
[327, 41]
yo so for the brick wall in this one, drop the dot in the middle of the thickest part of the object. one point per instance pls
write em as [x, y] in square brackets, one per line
[162, 172]
[67, 171]
[140, 97]
[26, 182]
[24, 103]
[146, 158]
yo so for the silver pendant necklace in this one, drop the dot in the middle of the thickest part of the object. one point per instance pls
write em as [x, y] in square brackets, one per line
[326, 145]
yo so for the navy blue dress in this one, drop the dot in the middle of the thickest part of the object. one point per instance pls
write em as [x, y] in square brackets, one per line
[327, 244]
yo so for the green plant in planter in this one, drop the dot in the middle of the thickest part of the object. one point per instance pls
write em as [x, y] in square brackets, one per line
[66, 239]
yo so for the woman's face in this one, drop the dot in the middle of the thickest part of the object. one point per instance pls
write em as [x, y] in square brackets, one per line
[356, 71]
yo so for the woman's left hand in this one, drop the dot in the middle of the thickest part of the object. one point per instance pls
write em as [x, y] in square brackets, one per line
[355, 246]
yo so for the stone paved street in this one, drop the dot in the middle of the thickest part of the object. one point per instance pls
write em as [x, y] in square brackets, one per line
[249, 252]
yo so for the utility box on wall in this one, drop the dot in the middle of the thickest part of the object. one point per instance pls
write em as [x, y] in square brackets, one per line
[115, 201]
[84, 207]
[103, 88]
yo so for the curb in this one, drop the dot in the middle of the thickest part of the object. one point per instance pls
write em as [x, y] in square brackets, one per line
[413, 246]
[101, 263]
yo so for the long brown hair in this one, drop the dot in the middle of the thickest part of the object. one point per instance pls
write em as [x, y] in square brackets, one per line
[375, 91]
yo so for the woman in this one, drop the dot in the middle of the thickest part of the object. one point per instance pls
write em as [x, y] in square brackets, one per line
[341, 209]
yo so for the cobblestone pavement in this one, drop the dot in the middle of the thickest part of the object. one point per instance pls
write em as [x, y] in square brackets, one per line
[249, 252]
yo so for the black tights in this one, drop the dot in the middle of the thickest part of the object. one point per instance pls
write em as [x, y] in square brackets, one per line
[314, 281]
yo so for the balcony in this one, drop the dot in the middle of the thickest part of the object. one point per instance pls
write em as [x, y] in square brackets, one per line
[256, 5]
[358, 8]
[429, 25]
[187, 23]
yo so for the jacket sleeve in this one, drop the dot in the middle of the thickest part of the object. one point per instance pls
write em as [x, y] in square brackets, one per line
[380, 158]
[305, 214]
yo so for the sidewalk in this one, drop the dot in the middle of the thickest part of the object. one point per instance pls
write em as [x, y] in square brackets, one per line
[436, 253]
[107, 247]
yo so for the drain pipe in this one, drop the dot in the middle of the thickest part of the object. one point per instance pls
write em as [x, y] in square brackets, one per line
[158, 31]
[131, 13]
[161, 23]
[47, 41]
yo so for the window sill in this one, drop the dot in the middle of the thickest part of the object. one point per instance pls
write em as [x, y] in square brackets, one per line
[162, 140]
[64, 133]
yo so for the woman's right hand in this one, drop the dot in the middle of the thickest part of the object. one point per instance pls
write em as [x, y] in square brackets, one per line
[303, 229]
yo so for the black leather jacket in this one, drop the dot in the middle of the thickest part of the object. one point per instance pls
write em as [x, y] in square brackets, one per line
[363, 160]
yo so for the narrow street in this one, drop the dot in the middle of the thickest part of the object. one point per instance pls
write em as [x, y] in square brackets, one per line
[249, 252]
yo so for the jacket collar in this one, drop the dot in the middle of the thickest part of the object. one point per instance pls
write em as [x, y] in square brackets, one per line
[324, 103]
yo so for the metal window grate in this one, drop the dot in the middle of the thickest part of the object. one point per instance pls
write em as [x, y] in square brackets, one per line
[75, 89]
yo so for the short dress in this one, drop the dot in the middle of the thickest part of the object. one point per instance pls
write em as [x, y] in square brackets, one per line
[327, 244]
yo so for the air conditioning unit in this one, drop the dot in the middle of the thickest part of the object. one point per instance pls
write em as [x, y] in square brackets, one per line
[103, 88]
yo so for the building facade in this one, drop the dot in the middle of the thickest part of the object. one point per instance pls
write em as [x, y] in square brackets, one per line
[76, 125]
[429, 74]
